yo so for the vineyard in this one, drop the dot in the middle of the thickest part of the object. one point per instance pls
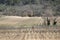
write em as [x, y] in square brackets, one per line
[31, 33]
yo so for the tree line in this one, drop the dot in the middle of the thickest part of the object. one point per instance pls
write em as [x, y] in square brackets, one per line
[35, 6]
[24, 2]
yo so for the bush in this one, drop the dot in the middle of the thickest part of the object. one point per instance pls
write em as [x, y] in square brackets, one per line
[2, 7]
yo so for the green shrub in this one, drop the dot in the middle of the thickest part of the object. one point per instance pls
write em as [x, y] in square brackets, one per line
[2, 7]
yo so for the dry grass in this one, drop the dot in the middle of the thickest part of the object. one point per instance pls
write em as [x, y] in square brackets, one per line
[27, 34]
[17, 21]
[20, 21]
[24, 34]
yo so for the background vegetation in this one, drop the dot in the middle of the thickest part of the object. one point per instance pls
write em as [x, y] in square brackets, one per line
[30, 7]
